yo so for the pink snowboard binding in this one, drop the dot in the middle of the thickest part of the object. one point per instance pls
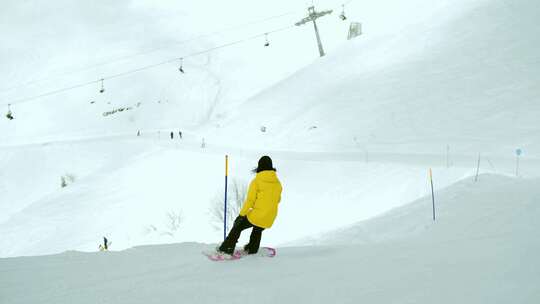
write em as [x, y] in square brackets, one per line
[239, 253]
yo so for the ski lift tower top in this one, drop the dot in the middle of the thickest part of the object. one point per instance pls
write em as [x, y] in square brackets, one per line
[312, 16]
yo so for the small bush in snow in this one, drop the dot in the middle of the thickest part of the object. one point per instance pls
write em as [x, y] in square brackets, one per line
[236, 194]
[173, 221]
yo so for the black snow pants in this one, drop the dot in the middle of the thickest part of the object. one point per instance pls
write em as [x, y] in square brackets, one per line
[242, 223]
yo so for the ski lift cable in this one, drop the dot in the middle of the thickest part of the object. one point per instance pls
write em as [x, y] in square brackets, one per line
[239, 41]
[102, 79]
[54, 92]
[342, 3]
[194, 54]
[134, 55]
[146, 52]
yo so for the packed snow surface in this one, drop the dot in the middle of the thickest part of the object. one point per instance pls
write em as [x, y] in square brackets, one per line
[481, 249]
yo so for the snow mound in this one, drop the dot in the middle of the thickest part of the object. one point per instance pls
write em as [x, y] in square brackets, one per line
[493, 207]
[127, 194]
[482, 249]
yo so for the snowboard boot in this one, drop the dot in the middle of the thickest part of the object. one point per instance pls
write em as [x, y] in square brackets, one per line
[228, 251]
[248, 249]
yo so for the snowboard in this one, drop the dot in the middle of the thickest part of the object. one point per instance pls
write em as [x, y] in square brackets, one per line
[239, 253]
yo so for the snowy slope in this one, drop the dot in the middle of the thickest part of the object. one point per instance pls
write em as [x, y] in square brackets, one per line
[493, 207]
[380, 126]
[467, 80]
[71, 43]
[351, 134]
[482, 249]
[134, 190]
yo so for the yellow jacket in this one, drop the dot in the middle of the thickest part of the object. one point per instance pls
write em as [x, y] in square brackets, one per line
[264, 195]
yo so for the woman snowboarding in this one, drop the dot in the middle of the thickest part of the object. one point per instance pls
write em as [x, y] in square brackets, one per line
[259, 210]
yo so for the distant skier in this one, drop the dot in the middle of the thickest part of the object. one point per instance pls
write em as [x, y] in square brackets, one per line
[105, 245]
[172, 135]
[259, 210]
[139, 133]
[180, 134]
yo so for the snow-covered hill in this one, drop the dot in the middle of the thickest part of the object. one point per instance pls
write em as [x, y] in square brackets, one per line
[492, 207]
[70, 43]
[481, 249]
[468, 81]
[429, 84]
[129, 192]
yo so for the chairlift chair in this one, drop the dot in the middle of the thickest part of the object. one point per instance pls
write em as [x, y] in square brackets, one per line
[9, 114]
[342, 15]
[181, 68]
[102, 86]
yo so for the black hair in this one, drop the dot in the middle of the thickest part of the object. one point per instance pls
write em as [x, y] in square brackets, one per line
[265, 163]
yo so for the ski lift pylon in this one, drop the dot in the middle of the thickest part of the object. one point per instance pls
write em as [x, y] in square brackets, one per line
[181, 68]
[102, 86]
[266, 43]
[342, 15]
